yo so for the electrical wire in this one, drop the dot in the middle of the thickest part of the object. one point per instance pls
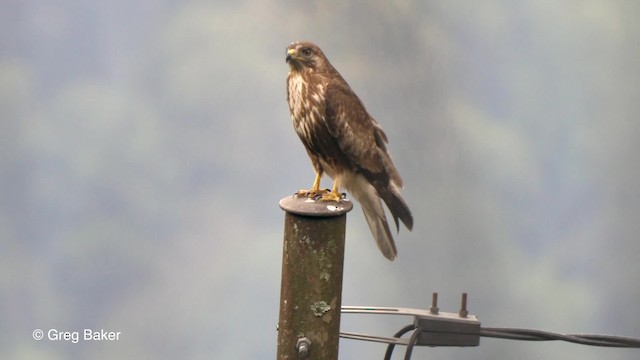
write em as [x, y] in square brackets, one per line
[540, 335]
[404, 330]
[412, 342]
[523, 335]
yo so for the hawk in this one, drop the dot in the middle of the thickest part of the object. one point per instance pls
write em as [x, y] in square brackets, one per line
[343, 141]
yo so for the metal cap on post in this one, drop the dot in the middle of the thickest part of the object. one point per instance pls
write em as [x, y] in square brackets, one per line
[311, 290]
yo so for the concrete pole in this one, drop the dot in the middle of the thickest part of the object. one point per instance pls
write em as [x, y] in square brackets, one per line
[311, 290]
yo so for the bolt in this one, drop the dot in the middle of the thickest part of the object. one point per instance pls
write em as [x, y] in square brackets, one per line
[463, 306]
[303, 346]
[434, 304]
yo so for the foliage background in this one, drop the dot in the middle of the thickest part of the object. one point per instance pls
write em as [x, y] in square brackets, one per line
[144, 146]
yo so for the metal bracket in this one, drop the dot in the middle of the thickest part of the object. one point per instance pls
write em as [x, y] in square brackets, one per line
[434, 327]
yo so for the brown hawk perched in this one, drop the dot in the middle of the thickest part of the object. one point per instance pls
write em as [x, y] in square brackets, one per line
[344, 141]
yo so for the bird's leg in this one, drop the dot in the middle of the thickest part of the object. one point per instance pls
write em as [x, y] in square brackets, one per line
[334, 195]
[315, 188]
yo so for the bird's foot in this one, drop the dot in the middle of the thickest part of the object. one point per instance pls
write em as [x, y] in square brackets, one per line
[332, 196]
[321, 195]
[312, 194]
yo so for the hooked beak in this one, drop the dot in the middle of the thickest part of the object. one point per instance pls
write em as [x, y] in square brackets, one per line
[290, 53]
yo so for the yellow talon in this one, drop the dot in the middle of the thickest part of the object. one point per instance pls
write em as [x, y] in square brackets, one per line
[315, 190]
[334, 195]
[321, 194]
[331, 196]
[311, 193]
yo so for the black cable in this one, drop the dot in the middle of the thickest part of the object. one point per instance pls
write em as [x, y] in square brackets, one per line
[539, 335]
[412, 341]
[629, 342]
[524, 335]
[518, 334]
[404, 330]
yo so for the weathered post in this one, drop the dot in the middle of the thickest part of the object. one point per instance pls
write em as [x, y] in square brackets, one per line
[311, 290]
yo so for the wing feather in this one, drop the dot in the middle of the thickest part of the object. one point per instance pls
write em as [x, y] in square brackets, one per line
[350, 124]
[363, 143]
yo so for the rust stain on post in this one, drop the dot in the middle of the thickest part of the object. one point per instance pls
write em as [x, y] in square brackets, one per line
[311, 289]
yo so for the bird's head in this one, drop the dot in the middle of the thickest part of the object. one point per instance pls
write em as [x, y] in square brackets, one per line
[304, 55]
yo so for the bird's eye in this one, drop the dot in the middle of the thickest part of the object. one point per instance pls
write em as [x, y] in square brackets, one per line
[306, 52]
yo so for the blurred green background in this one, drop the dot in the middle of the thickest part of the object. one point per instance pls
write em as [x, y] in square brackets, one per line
[144, 147]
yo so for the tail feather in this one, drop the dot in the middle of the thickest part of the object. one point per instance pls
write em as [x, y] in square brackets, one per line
[369, 199]
[369, 195]
[396, 204]
[389, 190]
